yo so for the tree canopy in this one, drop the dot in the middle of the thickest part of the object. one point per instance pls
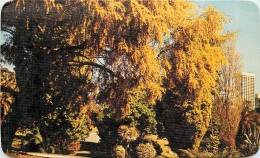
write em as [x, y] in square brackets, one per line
[122, 55]
[192, 64]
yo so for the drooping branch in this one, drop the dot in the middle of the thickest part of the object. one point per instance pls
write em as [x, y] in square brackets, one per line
[95, 65]
[8, 30]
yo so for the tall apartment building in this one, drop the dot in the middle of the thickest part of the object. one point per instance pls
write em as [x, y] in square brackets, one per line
[248, 88]
[257, 100]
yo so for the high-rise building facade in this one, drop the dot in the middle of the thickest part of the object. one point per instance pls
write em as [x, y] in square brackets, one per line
[248, 88]
[257, 100]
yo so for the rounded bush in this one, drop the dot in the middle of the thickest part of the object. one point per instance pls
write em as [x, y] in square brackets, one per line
[145, 150]
[119, 152]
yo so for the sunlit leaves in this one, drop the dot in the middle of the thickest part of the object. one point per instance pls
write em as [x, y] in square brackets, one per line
[8, 91]
[196, 55]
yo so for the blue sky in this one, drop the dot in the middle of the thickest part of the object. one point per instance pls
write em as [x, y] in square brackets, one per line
[245, 18]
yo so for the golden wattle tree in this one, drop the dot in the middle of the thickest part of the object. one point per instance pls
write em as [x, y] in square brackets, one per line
[193, 59]
[66, 53]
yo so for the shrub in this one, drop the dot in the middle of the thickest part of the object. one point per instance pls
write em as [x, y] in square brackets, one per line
[210, 143]
[229, 153]
[128, 133]
[119, 151]
[225, 153]
[72, 148]
[252, 142]
[205, 154]
[145, 150]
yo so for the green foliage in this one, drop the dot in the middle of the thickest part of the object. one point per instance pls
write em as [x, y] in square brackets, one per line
[185, 128]
[142, 116]
[122, 132]
[69, 128]
[210, 143]
[107, 127]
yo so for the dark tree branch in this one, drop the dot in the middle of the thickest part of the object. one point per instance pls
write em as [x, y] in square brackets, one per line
[8, 90]
[8, 30]
[167, 48]
[81, 46]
